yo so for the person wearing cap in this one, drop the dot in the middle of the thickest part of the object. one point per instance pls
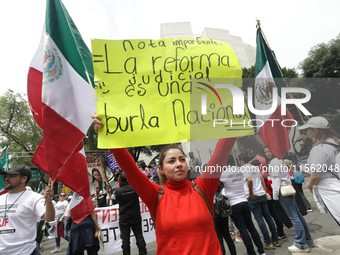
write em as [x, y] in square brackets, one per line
[19, 209]
[324, 180]
[129, 216]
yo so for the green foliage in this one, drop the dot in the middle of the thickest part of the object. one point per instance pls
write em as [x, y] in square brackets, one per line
[17, 126]
[323, 60]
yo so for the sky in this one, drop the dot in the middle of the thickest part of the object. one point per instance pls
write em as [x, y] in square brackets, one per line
[291, 27]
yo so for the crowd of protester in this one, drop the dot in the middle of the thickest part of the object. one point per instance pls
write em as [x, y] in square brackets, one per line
[174, 181]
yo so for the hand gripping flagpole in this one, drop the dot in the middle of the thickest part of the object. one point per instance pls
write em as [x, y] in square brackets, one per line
[272, 52]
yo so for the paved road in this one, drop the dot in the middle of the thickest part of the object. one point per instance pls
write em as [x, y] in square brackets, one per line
[324, 230]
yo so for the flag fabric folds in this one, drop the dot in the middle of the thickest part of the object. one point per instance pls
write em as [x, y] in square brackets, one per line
[55, 229]
[273, 129]
[79, 207]
[4, 165]
[40, 189]
[61, 99]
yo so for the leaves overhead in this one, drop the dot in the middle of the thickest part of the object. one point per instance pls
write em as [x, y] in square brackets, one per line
[17, 126]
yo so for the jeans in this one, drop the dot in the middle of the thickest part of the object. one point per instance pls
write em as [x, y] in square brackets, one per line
[222, 231]
[66, 237]
[125, 236]
[260, 210]
[301, 229]
[241, 216]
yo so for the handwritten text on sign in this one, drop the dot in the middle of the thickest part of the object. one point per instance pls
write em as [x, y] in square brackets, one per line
[149, 90]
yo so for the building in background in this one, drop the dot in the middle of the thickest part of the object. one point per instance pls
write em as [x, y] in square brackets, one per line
[246, 53]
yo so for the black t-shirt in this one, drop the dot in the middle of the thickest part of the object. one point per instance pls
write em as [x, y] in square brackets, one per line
[128, 201]
[101, 199]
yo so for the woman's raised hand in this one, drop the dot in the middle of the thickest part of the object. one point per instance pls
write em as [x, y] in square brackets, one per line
[97, 122]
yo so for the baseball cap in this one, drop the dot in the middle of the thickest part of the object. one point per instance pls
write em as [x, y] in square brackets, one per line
[316, 122]
[18, 169]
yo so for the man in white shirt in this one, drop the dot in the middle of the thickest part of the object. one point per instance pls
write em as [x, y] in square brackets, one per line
[19, 209]
[255, 188]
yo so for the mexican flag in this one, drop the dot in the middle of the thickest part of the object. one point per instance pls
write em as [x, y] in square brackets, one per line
[80, 207]
[4, 165]
[61, 99]
[272, 131]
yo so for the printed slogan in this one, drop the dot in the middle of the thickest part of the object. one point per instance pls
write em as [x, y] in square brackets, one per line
[150, 92]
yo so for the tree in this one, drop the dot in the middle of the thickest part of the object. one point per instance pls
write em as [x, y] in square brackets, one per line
[323, 60]
[320, 69]
[17, 126]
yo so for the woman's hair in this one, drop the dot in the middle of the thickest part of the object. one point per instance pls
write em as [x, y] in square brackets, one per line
[323, 134]
[162, 154]
[94, 170]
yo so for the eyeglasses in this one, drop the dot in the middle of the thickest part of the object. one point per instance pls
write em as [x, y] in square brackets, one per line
[62, 195]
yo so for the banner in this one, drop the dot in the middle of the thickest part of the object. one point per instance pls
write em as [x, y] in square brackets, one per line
[150, 92]
[108, 220]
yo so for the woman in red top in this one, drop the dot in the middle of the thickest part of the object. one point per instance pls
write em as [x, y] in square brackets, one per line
[184, 223]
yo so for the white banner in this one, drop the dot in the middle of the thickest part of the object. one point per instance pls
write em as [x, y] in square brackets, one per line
[108, 220]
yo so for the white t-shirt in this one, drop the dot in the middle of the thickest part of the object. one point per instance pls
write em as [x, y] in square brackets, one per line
[322, 159]
[59, 207]
[234, 186]
[253, 172]
[18, 231]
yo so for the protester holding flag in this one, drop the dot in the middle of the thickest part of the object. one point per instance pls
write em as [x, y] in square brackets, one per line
[83, 226]
[188, 227]
[280, 177]
[324, 184]
[20, 209]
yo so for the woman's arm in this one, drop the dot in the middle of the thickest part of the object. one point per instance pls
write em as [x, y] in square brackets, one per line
[209, 180]
[146, 189]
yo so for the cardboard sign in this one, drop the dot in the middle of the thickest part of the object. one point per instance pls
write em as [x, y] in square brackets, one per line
[150, 91]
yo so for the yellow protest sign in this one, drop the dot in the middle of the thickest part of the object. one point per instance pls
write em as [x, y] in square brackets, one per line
[150, 91]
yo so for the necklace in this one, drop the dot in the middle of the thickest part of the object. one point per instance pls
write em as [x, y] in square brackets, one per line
[6, 210]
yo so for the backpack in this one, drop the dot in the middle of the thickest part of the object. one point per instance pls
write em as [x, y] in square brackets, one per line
[222, 206]
[336, 170]
[298, 177]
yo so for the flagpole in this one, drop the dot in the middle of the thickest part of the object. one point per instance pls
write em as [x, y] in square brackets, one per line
[49, 183]
[271, 51]
[93, 92]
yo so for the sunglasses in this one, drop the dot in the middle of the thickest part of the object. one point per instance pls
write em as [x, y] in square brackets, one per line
[62, 195]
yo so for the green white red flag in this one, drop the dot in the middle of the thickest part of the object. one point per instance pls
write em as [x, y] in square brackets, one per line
[4, 165]
[61, 99]
[80, 207]
[272, 131]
